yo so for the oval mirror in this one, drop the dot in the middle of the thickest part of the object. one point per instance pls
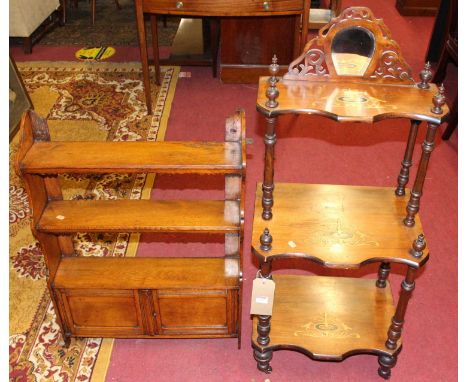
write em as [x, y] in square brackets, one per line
[352, 50]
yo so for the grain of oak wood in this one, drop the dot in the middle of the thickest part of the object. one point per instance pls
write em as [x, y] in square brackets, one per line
[146, 273]
[138, 297]
[69, 216]
[329, 318]
[130, 157]
[337, 226]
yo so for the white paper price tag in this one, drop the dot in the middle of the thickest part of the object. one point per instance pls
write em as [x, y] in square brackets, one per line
[263, 293]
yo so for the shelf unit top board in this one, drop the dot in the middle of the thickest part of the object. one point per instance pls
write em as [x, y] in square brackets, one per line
[146, 273]
[351, 101]
[131, 157]
[337, 226]
[123, 215]
[329, 318]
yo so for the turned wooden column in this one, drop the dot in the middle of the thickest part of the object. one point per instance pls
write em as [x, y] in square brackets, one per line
[270, 141]
[386, 363]
[396, 327]
[384, 271]
[412, 207]
[408, 159]
[268, 174]
[263, 358]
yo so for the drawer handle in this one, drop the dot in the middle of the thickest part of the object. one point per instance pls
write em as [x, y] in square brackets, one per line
[179, 4]
[266, 5]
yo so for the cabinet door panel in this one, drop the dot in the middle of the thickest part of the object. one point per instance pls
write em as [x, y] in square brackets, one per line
[193, 312]
[102, 313]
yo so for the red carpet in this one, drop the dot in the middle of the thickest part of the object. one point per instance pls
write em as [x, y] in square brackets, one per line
[312, 150]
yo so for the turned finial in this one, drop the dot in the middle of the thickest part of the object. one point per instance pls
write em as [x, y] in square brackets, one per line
[274, 68]
[418, 246]
[426, 76]
[439, 100]
[265, 240]
[272, 92]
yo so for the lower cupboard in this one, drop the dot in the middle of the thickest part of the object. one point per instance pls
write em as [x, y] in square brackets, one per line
[170, 313]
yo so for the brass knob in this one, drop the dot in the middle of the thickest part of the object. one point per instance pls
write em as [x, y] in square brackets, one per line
[179, 4]
[266, 5]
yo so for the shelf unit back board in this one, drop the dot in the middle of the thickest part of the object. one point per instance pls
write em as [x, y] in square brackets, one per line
[167, 297]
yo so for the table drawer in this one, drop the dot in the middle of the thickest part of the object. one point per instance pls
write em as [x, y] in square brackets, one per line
[221, 8]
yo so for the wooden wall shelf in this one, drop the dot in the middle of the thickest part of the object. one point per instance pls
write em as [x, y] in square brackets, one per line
[99, 157]
[138, 297]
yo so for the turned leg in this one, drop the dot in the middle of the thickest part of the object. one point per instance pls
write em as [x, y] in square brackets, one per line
[214, 41]
[143, 53]
[386, 363]
[93, 12]
[27, 45]
[384, 271]
[263, 358]
[265, 270]
[268, 174]
[407, 160]
[154, 42]
[396, 327]
[412, 207]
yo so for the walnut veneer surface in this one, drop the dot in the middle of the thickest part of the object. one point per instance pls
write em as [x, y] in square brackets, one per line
[349, 101]
[329, 318]
[353, 71]
[337, 226]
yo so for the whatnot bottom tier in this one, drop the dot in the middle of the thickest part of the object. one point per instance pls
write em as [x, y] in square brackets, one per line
[329, 318]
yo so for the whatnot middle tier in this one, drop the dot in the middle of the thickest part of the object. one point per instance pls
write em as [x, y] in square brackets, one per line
[337, 226]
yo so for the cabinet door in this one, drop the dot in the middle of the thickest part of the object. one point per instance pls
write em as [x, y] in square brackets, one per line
[196, 312]
[101, 313]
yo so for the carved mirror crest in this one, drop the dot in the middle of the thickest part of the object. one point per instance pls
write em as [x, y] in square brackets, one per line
[354, 46]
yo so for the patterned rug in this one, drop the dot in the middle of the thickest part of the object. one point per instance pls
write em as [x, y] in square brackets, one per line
[113, 27]
[82, 101]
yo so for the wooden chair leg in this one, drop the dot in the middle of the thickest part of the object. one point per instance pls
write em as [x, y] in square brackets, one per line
[63, 4]
[27, 45]
[214, 41]
[93, 11]
[453, 120]
[143, 53]
[154, 42]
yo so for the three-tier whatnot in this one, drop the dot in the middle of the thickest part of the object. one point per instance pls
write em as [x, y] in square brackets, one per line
[352, 71]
